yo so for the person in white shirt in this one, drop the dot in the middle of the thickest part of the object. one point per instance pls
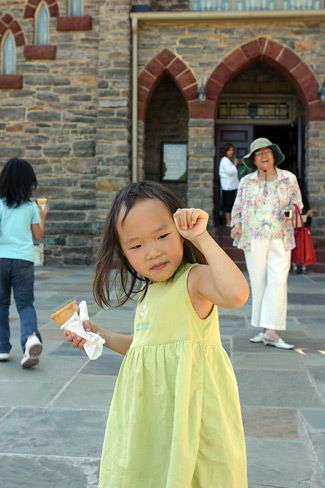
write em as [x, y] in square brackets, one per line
[228, 180]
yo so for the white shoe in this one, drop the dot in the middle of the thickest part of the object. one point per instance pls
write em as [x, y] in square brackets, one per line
[33, 349]
[4, 356]
[257, 338]
[281, 344]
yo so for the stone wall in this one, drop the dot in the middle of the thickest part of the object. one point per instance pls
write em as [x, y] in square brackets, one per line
[203, 45]
[51, 122]
[315, 174]
[201, 152]
[114, 94]
[200, 47]
[71, 119]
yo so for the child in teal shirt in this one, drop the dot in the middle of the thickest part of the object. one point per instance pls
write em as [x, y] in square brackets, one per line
[21, 220]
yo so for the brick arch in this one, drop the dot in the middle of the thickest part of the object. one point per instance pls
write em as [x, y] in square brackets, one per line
[32, 5]
[165, 62]
[280, 58]
[8, 22]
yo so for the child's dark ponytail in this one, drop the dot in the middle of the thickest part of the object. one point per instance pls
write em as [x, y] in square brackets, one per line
[17, 182]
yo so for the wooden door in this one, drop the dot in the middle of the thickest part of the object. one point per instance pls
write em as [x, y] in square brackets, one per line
[240, 136]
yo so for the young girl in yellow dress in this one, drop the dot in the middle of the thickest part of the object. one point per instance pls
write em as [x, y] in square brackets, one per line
[175, 418]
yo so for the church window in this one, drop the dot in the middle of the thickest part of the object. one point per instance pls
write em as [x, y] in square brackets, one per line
[8, 55]
[42, 26]
[76, 7]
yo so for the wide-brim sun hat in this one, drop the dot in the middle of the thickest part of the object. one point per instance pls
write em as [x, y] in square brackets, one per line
[258, 144]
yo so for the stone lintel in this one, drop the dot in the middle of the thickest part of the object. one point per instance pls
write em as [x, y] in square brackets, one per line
[11, 82]
[40, 52]
[74, 23]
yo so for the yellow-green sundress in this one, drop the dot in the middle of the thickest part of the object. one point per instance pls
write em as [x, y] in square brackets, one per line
[175, 418]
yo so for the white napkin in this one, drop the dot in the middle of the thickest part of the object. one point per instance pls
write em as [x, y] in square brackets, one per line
[94, 343]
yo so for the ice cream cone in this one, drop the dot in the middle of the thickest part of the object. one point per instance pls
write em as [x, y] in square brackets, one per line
[42, 202]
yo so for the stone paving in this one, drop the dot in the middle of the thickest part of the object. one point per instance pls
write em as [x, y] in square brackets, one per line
[52, 417]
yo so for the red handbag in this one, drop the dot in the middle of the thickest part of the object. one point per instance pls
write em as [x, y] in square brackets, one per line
[304, 252]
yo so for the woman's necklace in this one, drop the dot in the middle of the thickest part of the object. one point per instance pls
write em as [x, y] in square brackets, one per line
[265, 189]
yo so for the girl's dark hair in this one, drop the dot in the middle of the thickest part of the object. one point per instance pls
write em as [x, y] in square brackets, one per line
[127, 282]
[226, 148]
[17, 182]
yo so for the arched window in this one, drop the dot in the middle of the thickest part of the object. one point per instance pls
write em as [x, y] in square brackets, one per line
[76, 8]
[42, 33]
[8, 55]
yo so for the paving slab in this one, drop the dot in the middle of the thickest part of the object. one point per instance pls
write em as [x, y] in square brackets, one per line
[53, 417]
[263, 360]
[315, 419]
[271, 423]
[35, 393]
[53, 432]
[52, 369]
[318, 440]
[300, 299]
[277, 389]
[282, 464]
[87, 391]
[108, 364]
[55, 471]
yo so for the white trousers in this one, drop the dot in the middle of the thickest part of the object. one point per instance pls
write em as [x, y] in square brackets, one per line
[268, 265]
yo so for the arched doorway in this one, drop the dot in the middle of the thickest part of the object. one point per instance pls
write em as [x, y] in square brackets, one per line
[166, 123]
[260, 102]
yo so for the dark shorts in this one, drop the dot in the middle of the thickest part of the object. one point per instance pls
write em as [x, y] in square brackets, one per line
[228, 198]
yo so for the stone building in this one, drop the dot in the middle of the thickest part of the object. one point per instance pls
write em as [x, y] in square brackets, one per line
[98, 93]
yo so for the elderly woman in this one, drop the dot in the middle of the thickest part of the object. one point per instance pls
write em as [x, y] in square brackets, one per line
[262, 227]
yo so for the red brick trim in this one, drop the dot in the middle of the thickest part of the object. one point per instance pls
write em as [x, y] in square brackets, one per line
[11, 82]
[165, 57]
[280, 58]
[222, 75]
[40, 52]
[315, 111]
[190, 93]
[197, 111]
[74, 23]
[19, 39]
[185, 79]
[165, 62]
[176, 67]
[7, 19]
[15, 27]
[32, 5]
[8, 22]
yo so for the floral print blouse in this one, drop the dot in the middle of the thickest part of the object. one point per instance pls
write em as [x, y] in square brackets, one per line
[258, 208]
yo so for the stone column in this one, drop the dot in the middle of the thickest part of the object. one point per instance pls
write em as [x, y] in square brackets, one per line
[201, 152]
[315, 173]
[113, 118]
[141, 155]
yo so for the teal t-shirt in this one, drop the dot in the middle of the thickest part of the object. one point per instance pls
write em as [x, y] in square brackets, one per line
[16, 239]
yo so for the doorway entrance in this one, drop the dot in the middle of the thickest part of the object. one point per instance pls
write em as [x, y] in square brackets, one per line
[288, 137]
[240, 136]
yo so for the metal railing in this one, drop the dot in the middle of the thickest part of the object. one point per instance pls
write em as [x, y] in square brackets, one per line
[224, 5]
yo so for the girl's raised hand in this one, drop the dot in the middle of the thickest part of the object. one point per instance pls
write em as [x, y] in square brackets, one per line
[191, 222]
